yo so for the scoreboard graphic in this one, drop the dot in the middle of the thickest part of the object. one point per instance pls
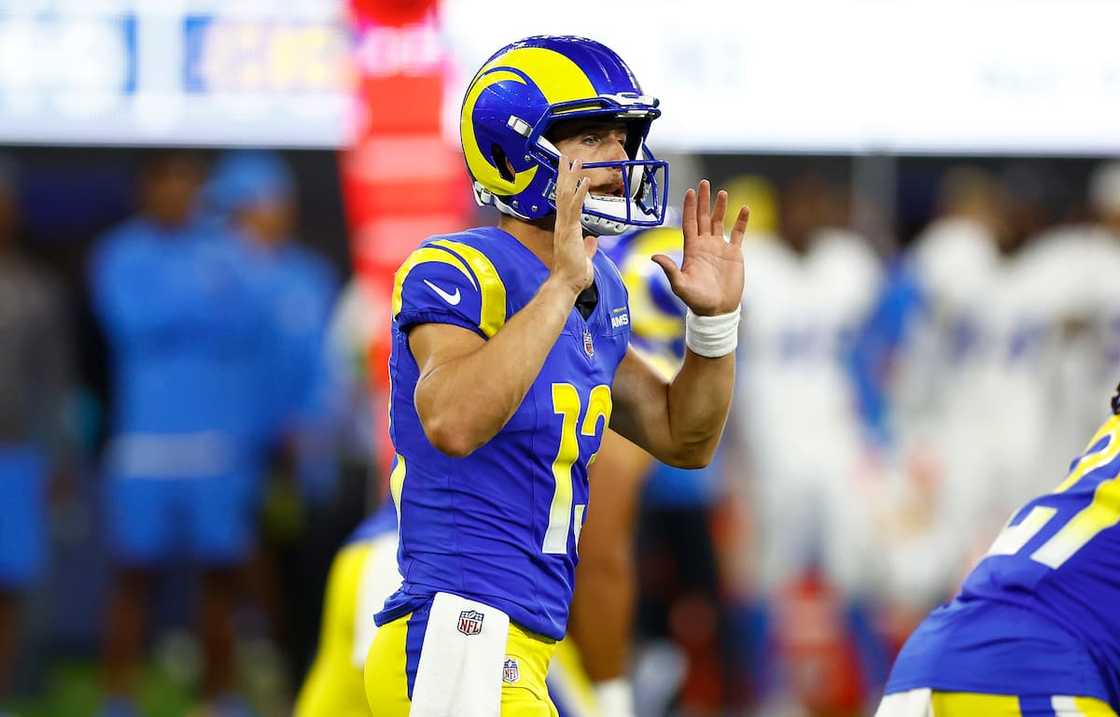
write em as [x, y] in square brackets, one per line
[256, 73]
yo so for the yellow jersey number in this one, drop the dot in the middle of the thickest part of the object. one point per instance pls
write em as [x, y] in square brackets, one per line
[566, 403]
[1101, 513]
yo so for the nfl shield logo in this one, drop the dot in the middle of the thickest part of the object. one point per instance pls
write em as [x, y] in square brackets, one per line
[510, 672]
[470, 622]
[588, 347]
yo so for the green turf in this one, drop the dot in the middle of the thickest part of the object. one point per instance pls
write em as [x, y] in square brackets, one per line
[73, 689]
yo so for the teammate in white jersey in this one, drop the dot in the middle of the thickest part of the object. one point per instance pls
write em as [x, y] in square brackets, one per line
[976, 367]
[926, 344]
[1082, 261]
[811, 290]
[799, 431]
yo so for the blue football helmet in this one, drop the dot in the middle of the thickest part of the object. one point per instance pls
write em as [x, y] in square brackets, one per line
[520, 93]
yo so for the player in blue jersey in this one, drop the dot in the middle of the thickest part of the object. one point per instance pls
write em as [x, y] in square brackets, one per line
[255, 193]
[510, 357]
[588, 673]
[182, 319]
[1035, 629]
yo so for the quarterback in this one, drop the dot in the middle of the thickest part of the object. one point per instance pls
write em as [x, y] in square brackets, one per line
[588, 676]
[1035, 629]
[510, 358]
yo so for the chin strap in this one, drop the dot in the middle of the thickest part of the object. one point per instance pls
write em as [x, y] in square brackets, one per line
[614, 224]
[601, 226]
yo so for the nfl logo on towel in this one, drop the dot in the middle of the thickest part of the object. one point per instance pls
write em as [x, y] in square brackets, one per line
[510, 672]
[470, 622]
[588, 347]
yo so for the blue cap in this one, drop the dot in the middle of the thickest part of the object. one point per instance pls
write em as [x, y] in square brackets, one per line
[248, 177]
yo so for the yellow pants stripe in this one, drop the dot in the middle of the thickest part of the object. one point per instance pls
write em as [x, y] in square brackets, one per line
[972, 704]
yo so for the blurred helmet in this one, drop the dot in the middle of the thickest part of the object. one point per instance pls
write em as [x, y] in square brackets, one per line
[520, 93]
[758, 193]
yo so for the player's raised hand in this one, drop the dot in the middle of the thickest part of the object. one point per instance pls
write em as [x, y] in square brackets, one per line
[571, 250]
[710, 277]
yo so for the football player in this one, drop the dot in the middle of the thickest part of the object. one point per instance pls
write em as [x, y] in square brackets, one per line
[35, 381]
[177, 304]
[510, 357]
[589, 675]
[926, 347]
[363, 574]
[1035, 628]
[819, 284]
[585, 681]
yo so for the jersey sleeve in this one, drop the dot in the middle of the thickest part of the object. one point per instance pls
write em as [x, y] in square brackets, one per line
[438, 285]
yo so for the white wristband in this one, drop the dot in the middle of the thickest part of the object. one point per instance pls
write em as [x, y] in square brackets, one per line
[615, 698]
[712, 336]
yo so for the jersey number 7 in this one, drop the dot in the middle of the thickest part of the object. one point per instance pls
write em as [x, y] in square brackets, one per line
[566, 404]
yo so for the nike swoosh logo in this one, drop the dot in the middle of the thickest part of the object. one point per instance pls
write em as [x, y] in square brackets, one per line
[452, 299]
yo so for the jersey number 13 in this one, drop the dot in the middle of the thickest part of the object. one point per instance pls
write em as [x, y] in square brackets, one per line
[566, 403]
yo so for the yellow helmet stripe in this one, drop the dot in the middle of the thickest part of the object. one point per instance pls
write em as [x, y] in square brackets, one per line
[493, 289]
[482, 170]
[421, 256]
[559, 80]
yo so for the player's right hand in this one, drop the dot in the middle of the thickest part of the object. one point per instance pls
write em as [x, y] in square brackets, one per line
[571, 249]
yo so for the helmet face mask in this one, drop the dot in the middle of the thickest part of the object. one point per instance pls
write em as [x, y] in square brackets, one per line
[521, 94]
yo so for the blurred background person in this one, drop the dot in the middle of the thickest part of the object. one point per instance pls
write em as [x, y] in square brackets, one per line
[300, 399]
[1085, 257]
[177, 304]
[363, 575]
[36, 381]
[1021, 341]
[920, 357]
[1001, 349]
[811, 287]
[254, 192]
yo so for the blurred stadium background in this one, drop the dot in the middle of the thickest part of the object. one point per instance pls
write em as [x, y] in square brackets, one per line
[932, 320]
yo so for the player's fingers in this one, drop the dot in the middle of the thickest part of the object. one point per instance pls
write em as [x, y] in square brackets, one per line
[591, 244]
[688, 214]
[704, 207]
[563, 179]
[563, 168]
[740, 229]
[717, 214]
[568, 184]
[672, 273]
[582, 186]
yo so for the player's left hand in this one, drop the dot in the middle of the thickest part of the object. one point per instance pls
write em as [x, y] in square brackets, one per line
[710, 277]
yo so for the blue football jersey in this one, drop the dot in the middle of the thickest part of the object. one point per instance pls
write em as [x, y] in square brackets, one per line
[1040, 614]
[179, 308]
[378, 523]
[501, 525]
